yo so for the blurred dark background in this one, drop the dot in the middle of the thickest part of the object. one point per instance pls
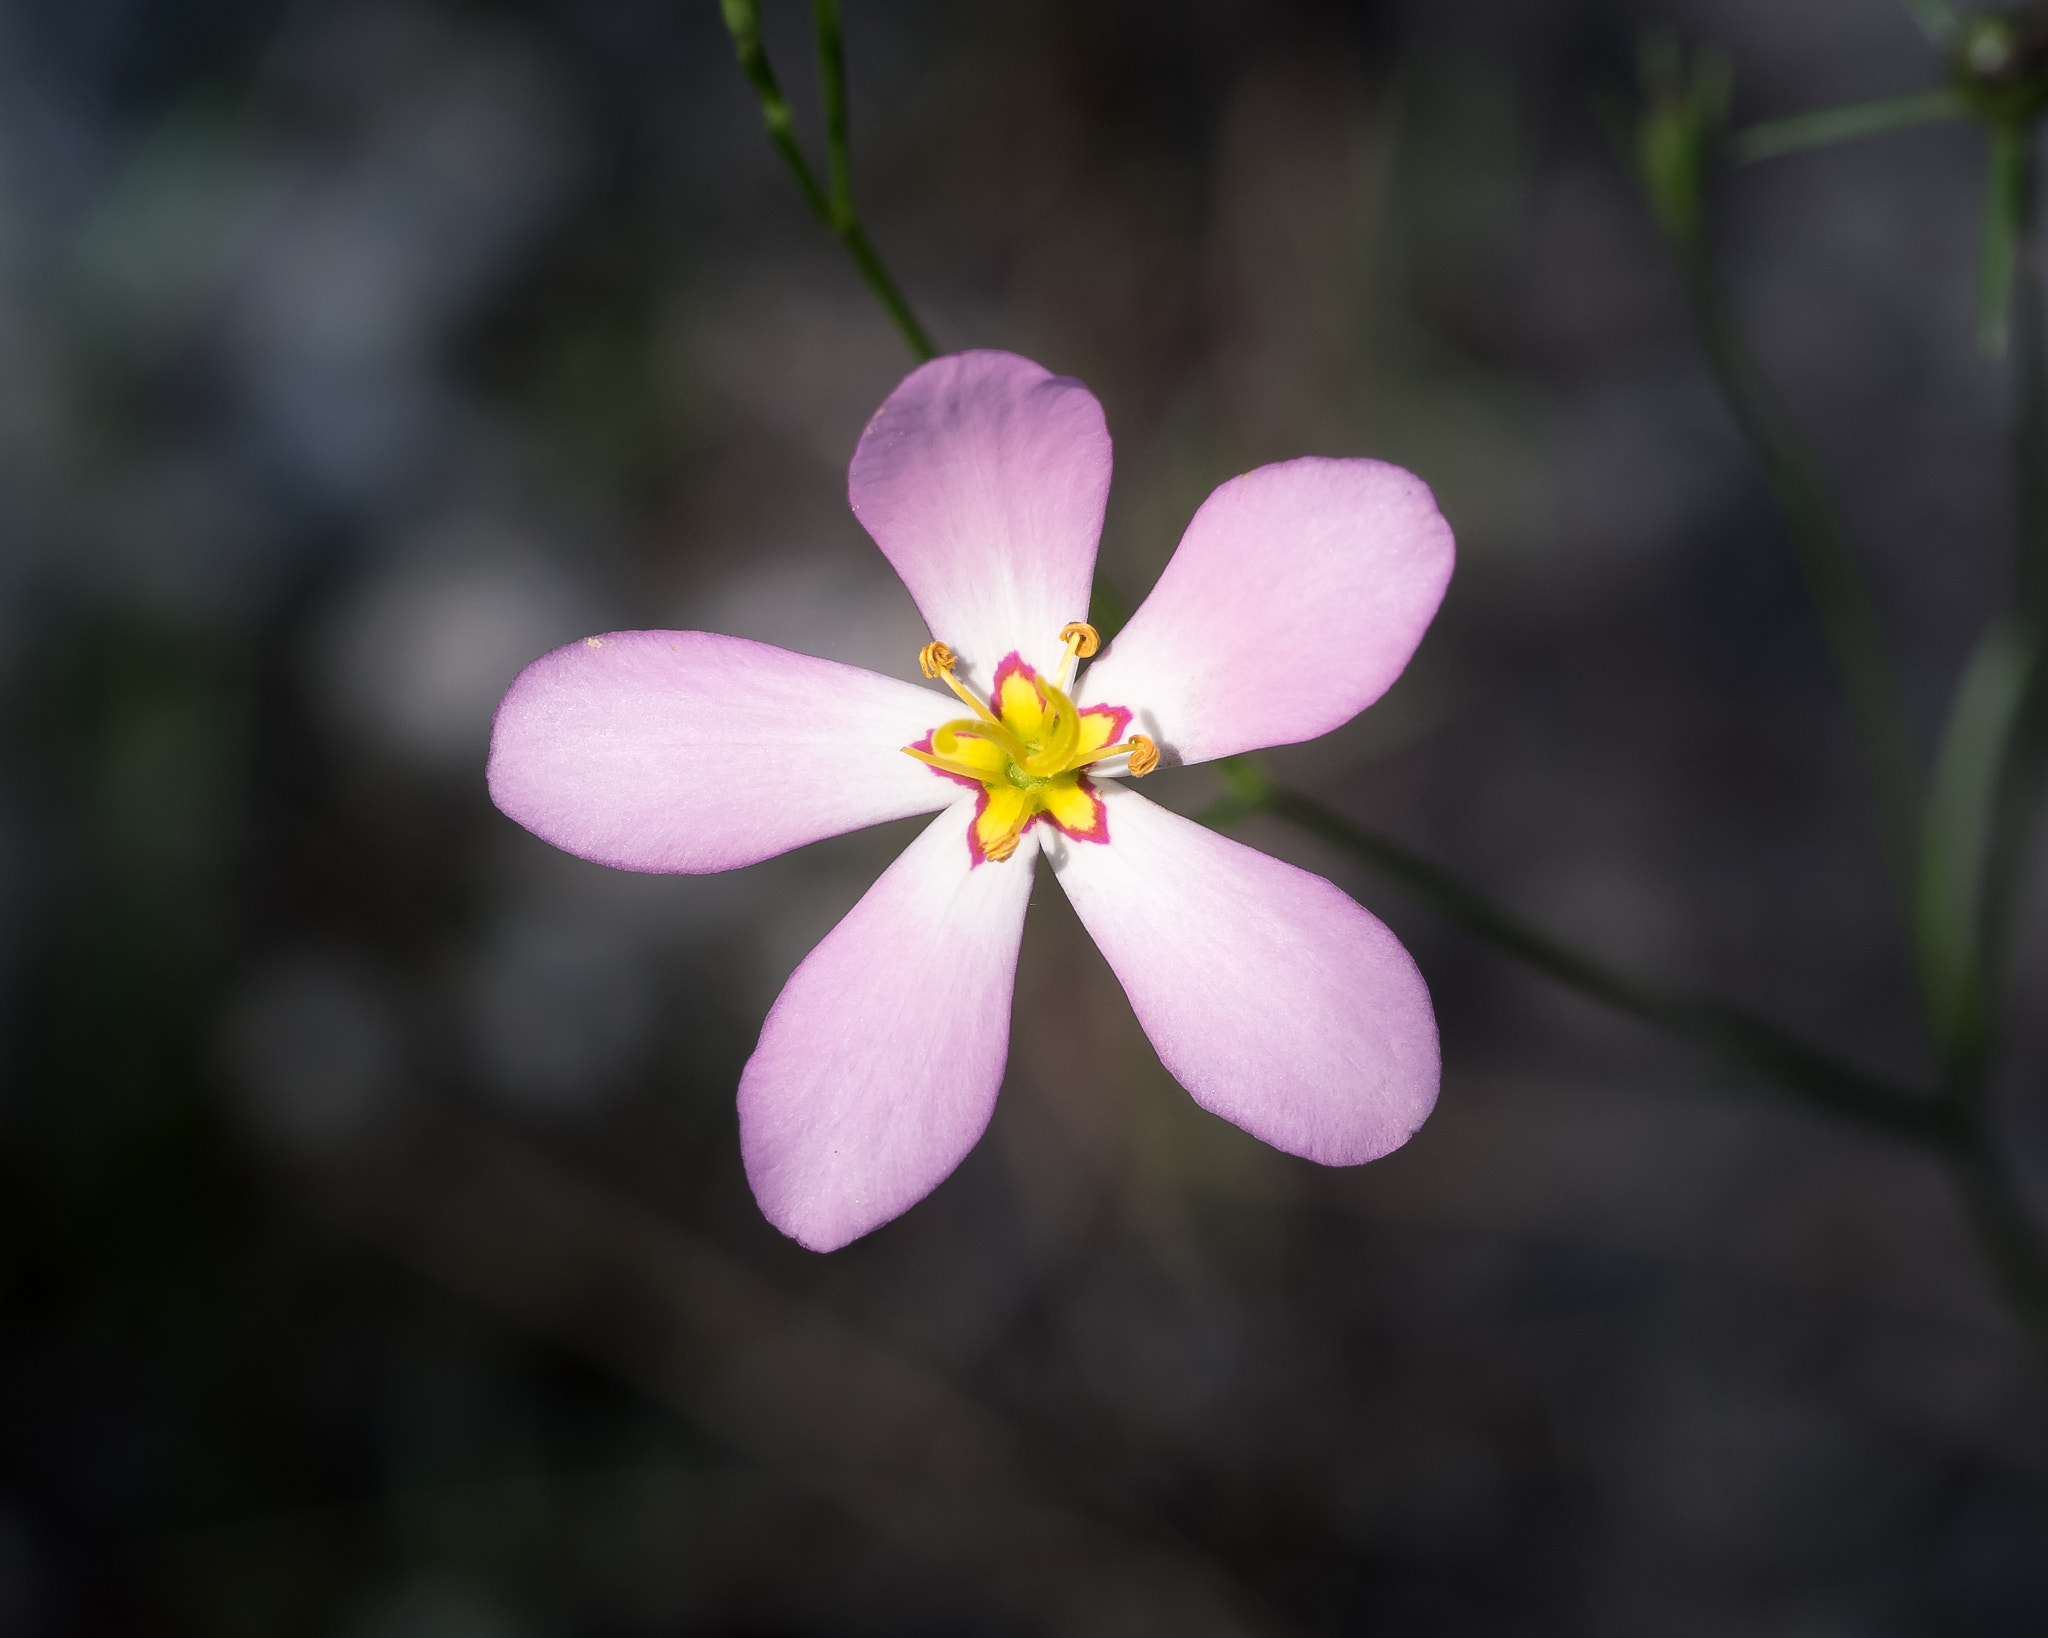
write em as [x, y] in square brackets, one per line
[375, 1258]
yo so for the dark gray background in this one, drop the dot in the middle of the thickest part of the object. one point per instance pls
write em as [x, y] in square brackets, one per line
[375, 1258]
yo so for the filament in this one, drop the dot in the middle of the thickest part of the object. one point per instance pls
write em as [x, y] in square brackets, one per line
[1143, 753]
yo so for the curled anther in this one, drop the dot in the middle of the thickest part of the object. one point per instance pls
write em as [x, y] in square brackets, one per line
[1001, 848]
[1082, 638]
[1144, 756]
[935, 659]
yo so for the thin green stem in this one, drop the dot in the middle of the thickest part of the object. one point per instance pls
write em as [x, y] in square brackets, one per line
[1980, 803]
[871, 269]
[1993, 756]
[1683, 114]
[1856, 119]
[1955, 1129]
[832, 204]
[1753, 1044]
[832, 86]
[743, 23]
[1847, 614]
[843, 220]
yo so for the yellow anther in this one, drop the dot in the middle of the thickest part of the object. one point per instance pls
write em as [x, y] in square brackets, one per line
[1143, 753]
[1082, 640]
[1001, 848]
[935, 659]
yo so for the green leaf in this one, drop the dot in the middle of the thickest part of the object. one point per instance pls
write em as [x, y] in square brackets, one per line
[1955, 842]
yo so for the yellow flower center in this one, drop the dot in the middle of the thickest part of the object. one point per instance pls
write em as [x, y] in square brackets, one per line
[1029, 748]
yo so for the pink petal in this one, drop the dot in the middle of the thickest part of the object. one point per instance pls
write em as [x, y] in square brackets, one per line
[687, 751]
[1270, 995]
[1294, 600]
[879, 1063]
[983, 478]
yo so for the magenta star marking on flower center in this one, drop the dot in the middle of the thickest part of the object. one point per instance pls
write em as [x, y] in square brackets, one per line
[1029, 749]
[1296, 597]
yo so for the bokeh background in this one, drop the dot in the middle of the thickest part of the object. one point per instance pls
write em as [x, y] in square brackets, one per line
[375, 1258]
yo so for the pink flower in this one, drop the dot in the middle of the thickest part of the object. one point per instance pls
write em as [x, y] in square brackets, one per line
[1295, 598]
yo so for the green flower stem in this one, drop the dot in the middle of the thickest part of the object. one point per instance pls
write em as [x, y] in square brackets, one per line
[839, 161]
[743, 23]
[1982, 802]
[1683, 114]
[832, 90]
[1750, 1043]
[1955, 1125]
[1857, 119]
[1955, 1131]
[831, 204]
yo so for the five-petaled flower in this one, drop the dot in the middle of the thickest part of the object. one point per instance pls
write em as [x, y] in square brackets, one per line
[1295, 598]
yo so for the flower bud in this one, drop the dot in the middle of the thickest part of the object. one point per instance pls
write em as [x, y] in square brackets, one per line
[1999, 63]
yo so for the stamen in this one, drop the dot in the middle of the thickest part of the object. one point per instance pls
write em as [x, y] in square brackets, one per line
[1143, 753]
[936, 660]
[1001, 848]
[1082, 640]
